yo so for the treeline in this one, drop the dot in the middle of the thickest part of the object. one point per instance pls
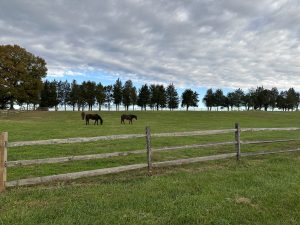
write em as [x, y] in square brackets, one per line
[256, 99]
[88, 94]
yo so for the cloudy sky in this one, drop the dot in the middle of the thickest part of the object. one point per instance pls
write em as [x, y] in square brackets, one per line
[192, 43]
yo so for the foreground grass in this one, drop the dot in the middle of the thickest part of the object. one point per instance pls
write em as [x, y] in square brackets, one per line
[256, 190]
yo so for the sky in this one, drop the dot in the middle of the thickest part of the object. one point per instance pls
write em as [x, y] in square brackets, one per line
[196, 44]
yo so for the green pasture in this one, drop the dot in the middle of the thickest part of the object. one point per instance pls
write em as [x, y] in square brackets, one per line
[256, 190]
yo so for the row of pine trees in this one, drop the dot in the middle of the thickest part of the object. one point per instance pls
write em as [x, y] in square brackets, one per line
[88, 94]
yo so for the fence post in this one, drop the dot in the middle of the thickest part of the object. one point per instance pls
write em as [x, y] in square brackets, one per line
[237, 141]
[149, 151]
[3, 159]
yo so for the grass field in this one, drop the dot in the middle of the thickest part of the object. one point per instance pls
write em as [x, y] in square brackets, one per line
[256, 190]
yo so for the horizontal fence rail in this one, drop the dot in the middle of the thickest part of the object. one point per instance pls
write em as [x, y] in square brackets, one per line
[269, 152]
[107, 155]
[116, 137]
[90, 173]
[129, 136]
[270, 129]
[72, 176]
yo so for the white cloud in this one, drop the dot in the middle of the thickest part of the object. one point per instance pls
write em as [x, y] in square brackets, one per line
[190, 43]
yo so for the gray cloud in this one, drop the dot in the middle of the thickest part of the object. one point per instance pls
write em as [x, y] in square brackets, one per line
[208, 43]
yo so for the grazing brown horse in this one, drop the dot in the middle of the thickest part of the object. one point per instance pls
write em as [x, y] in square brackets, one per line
[128, 117]
[82, 115]
[95, 117]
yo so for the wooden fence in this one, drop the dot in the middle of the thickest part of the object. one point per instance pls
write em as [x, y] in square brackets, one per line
[4, 145]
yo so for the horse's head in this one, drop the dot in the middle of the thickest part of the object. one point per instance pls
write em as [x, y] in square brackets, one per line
[101, 120]
[134, 116]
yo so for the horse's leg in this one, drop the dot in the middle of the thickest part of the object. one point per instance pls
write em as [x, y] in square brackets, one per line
[86, 121]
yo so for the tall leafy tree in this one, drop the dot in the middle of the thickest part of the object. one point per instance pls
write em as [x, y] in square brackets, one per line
[238, 96]
[282, 101]
[4, 99]
[218, 98]
[172, 97]
[247, 100]
[143, 97]
[208, 99]
[189, 98]
[117, 93]
[21, 74]
[230, 100]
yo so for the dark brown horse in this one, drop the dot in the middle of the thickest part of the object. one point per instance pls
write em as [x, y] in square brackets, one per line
[128, 117]
[95, 117]
[82, 115]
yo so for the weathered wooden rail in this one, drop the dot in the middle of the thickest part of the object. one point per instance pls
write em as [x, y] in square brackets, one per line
[4, 144]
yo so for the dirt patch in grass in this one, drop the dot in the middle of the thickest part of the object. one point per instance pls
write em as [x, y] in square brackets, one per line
[245, 201]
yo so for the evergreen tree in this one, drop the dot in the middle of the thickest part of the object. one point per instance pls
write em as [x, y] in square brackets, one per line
[157, 96]
[128, 94]
[172, 97]
[273, 97]
[100, 95]
[89, 93]
[143, 97]
[63, 93]
[134, 97]
[49, 95]
[73, 98]
[117, 93]
[108, 95]
[292, 99]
